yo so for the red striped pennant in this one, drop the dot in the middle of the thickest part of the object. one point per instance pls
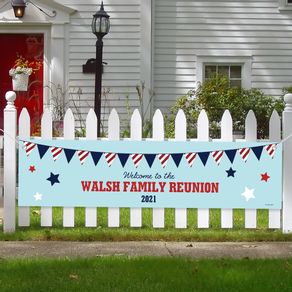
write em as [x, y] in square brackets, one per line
[190, 157]
[28, 146]
[137, 159]
[244, 152]
[217, 155]
[271, 149]
[56, 151]
[163, 159]
[110, 158]
[82, 155]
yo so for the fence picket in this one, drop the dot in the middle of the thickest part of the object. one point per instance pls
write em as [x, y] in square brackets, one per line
[227, 136]
[91, 134]
[158, 135]
[113, 134]
[136, 134]
[9, 159]
[203, 135]
[69, 134]
[250, 136]
[46, 132]
[287, 166]
[275, 135]
[180, 135]
[24, 132]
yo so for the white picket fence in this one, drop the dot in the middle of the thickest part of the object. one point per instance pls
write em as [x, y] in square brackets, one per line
[277, 218]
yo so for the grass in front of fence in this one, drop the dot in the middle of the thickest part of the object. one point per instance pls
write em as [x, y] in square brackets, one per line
[145, 274]
[147, 232]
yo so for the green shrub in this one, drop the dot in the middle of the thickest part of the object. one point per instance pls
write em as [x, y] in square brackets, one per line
[215, 95]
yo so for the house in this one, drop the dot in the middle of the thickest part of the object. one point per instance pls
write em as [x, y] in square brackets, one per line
[170, 45]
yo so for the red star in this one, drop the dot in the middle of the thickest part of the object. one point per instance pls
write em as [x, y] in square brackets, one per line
[32, 168]
[265, 177]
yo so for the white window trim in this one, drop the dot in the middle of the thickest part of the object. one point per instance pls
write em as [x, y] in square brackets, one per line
[284, 5]
[245, 62]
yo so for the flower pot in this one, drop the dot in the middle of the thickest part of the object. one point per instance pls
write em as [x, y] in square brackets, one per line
[20, 82]
[58, 128]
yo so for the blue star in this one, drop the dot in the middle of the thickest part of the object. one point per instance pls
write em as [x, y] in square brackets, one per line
[54, 178]
[230, 172]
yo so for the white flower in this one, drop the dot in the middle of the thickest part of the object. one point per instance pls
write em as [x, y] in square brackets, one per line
[20, 70]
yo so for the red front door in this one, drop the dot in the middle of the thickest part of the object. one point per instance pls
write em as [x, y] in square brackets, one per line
[31, 47]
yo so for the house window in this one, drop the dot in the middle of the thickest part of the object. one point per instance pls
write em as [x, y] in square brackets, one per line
[285, 5]
[232, 71]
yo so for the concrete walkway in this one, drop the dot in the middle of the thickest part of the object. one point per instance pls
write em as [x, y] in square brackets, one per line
[169, 249]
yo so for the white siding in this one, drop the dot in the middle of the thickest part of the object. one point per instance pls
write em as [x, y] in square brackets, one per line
[185, 30]
[121, 52]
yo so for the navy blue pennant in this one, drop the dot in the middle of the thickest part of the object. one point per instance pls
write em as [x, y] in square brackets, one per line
[177, 158]
[150, 159]
[204, 157]
[257, 151]
[123, 158]
[69, 153]
[42, 150]
[96, 156]
[231, 154]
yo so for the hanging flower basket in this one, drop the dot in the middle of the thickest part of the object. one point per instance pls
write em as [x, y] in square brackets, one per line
[20, 77]
[20, 82]
[21, 71]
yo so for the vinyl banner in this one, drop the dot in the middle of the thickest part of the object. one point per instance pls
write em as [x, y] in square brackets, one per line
[168, 174]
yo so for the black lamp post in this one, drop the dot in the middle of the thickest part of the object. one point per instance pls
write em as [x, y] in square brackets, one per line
[100, 27]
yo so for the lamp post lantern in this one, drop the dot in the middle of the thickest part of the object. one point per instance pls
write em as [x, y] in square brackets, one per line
[100, 27]
[18, 7]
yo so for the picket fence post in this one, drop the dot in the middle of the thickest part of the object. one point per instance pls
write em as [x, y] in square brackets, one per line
[250, 136]
[136, 135]
[287, 166]
[91, 134]
[113, 135]
[24, 133]
[46, 130]
[181, 135]
[69, 134]
[203, 135]
[10, 127]
[158, 214]
[226, 136]
[275, 136]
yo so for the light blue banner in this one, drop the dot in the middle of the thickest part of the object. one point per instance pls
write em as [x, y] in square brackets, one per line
[151, 174]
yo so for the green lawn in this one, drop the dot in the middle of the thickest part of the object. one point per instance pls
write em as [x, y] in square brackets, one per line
[145, 274]
[169, 233]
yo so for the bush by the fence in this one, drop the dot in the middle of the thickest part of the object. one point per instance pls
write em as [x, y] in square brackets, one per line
[215, 95]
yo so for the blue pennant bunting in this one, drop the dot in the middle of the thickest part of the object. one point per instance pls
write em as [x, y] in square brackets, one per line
[69, 153]
[204, 157]
[150, 159]
[123, 158]
[257, 151]
[42, 150]
[96, 156]
[231, 154]
[177, 158]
